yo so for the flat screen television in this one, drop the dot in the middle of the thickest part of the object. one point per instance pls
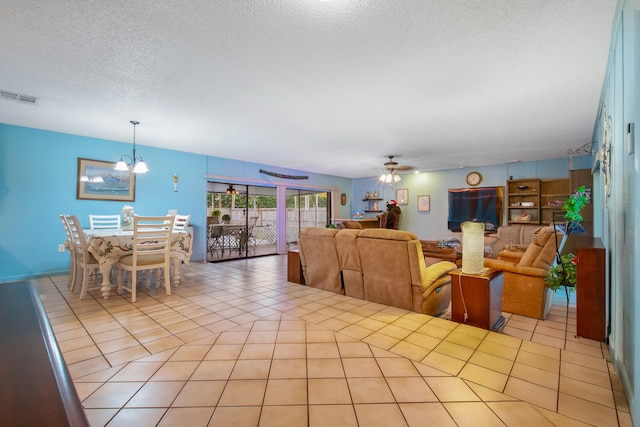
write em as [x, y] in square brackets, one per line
[475, 204]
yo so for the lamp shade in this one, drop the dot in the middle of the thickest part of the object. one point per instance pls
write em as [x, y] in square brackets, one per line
[140, 167]
[472, 247]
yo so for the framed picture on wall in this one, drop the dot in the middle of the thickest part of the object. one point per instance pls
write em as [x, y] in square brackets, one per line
[98, 180]
[424, 203]
[402, 196]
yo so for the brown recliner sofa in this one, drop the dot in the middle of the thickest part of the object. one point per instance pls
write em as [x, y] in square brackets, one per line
[525, 291]
[515, 235]
[379, 265]
[319, 258]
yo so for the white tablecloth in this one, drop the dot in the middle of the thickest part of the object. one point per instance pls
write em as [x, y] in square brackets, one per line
[109, 245]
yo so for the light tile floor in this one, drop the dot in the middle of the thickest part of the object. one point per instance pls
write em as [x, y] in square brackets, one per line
[238, 345]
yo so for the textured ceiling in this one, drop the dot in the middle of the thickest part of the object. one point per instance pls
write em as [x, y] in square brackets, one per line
[323, 86]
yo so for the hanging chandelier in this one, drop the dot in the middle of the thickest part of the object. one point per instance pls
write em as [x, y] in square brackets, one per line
[231, 190]
[136, 164]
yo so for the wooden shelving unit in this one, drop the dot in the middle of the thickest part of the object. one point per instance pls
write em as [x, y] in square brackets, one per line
[523, 201]
[535, 201]
[553, 194]
[372, 206]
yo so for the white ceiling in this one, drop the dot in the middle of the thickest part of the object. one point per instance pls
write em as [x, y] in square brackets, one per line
[322, 86]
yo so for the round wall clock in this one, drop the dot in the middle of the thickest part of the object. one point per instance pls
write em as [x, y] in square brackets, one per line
[474, 178]
[343, 199]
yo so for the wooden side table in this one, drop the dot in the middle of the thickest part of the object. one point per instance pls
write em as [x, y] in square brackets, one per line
[294, 267]
[479, 296]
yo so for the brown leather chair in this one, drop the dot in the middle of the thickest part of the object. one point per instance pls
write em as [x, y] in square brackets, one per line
[525, 291]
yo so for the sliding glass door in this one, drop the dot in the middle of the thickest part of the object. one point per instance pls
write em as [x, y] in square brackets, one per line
[246, 224]
[306, 208]
[246, 220]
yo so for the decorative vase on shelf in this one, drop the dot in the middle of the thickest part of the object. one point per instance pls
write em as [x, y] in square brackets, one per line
[127, 217]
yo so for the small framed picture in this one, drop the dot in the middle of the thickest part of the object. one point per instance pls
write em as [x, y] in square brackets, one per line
[402, 196]
[424, 203]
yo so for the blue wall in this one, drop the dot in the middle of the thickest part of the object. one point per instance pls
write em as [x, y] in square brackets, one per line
[617, 213]
[38, 173]
[432, 225]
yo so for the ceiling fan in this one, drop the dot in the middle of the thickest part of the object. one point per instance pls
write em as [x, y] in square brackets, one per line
[392, 165]
[390, 176]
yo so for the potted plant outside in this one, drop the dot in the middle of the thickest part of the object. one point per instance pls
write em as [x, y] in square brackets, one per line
[226, 218]
[215, 216]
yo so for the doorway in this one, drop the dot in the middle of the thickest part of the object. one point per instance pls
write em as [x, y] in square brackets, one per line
[246, 224]
[306, 208]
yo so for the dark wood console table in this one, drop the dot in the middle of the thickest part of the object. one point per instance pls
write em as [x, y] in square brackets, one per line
[37, 389]
[591, 286]
[480, 295]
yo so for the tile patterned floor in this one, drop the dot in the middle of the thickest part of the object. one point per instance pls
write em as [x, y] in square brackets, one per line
[236, 344]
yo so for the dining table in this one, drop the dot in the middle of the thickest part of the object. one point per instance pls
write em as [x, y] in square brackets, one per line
[109, 245]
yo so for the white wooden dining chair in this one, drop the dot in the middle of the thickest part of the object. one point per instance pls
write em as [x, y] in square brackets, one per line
[104, 221]
[85, 263]
[181, 222]
[71, 286]
[151, 250]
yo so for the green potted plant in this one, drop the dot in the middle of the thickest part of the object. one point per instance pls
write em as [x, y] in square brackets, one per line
[572, 207]
[215, 215]
[563, 273]
[226, 218]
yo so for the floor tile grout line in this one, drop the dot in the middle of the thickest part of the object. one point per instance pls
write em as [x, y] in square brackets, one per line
[334, 331]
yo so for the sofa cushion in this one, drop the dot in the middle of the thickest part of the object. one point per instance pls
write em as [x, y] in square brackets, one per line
[386, 272]
[319, 258]
[528, 233]
[541, 252]
[516, 235]
[350, 262]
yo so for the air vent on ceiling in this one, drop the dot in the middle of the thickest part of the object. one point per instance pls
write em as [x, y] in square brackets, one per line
[11, 96]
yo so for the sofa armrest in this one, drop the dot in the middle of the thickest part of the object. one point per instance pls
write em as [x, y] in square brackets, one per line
[432, 273]
[433, 286]
[510, 256]
[514, 268]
